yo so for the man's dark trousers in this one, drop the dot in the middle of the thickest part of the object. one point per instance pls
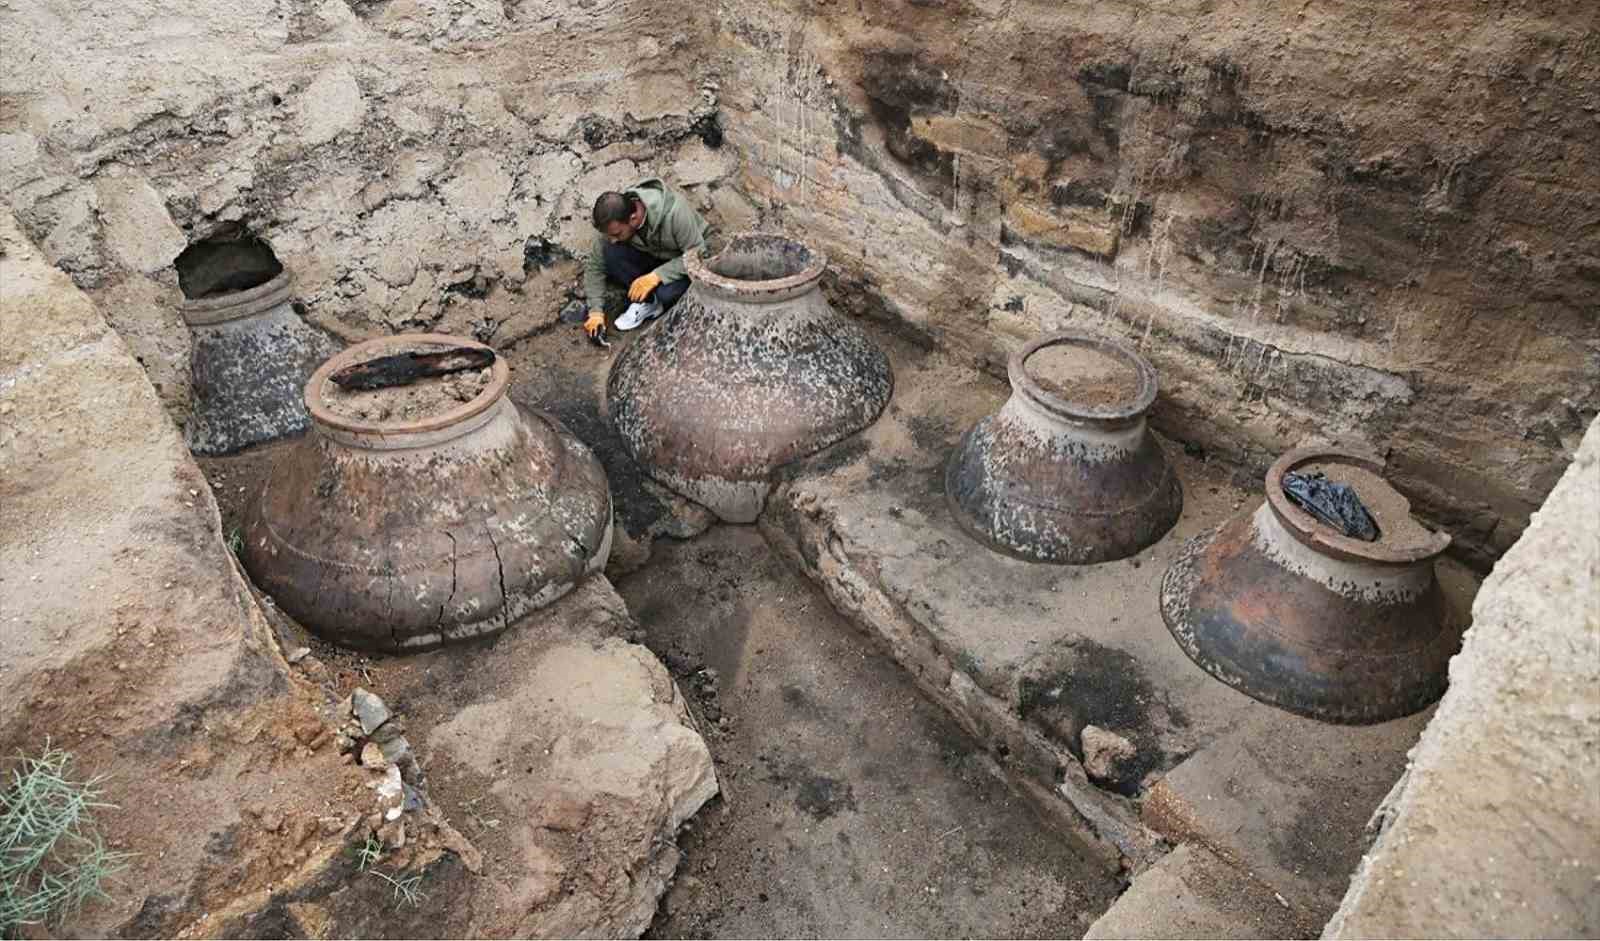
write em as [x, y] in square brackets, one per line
[624, 263]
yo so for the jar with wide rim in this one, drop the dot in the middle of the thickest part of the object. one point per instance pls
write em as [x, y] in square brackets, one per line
[752, 370]
[1056, 479]
[407, 534]
[1285, 609]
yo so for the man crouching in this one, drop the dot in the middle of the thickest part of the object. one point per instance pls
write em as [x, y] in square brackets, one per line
[642, 235]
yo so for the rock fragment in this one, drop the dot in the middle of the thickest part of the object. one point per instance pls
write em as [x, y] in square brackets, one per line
[1107, 756]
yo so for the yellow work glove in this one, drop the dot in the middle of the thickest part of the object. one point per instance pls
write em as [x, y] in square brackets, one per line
[643, 285]
[596, 321]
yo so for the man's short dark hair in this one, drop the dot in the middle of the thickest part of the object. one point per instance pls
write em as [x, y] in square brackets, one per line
[613, 207]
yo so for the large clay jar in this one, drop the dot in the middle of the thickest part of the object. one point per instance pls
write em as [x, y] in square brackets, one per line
[250, 357]
[419, 529]
[1294, 613]
[1067, 471]
[751, 370]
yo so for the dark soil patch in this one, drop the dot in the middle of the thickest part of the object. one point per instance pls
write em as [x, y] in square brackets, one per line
[851, 806]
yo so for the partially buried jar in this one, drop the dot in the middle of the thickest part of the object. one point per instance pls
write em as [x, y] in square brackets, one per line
[425, 513]
[1067, 471]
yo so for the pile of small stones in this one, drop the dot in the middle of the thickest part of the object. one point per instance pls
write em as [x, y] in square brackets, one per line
[374, 738]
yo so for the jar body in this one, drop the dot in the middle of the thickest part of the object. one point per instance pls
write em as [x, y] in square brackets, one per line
[250, 357]
[1309, 621]
[414, 534]
[1047, 481]
[731, 385]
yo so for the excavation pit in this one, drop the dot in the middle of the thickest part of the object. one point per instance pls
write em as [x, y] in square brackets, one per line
[975, 664]
[833, 767]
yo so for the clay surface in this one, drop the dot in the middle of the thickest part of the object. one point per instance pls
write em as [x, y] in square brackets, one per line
[1083, 375]
[851, 805]
[424, 398]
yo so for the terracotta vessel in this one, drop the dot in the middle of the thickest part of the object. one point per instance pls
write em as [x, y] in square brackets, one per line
[250, 357]
[751, 370]
[1068, 474]
[406, 534]
[1296, 614]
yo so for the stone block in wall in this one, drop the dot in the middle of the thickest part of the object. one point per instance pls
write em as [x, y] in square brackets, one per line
[135, 223]
[1093, 231]
[961, 134]
[330, 105]
[697, 164]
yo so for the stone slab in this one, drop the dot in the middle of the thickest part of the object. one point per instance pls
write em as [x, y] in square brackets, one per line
[565, 754]
[1291, 809]
[1192, 893]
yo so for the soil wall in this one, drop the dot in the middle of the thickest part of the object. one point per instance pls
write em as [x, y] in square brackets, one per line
[1493, 829]
[1378, 224]
[417, 164]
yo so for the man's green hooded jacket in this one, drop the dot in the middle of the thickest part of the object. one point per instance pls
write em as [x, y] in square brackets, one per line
[671, 228]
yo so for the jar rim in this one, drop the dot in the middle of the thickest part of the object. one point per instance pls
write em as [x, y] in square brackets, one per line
[322, 415]
[702, 270]
[1112, 415]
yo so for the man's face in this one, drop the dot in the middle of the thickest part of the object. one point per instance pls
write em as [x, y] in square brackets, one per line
[619, 232]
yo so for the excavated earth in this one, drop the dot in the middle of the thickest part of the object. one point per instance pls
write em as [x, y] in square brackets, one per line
[922, 737]
[849, 804]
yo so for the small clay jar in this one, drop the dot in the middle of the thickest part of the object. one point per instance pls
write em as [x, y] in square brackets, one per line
[751, 370]
[1296, 614]
[409, 532]
[1067, 472]
[250, 355]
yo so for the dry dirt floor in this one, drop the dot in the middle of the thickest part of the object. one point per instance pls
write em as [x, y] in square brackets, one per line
[851, 806]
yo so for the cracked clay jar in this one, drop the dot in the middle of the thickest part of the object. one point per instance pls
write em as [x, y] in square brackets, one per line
[425, 514]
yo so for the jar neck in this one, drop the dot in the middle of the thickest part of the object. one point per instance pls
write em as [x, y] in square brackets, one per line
[492, 427]
[210, 311]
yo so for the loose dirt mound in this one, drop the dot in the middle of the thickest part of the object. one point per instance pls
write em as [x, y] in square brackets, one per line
[1084, 375]
[421, 399]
